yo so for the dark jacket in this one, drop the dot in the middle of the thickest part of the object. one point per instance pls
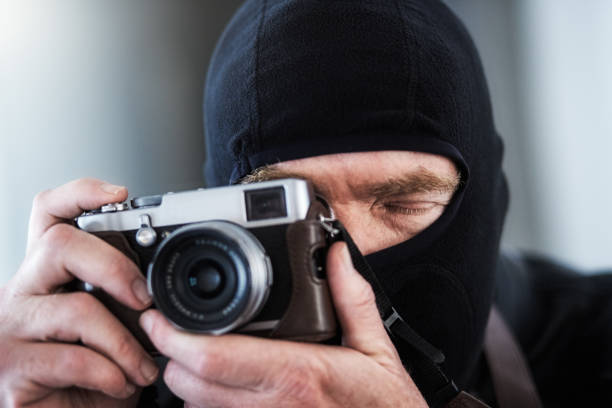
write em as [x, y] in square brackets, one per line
[562, 319]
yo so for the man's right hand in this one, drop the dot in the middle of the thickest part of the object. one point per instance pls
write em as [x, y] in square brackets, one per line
[66, 349]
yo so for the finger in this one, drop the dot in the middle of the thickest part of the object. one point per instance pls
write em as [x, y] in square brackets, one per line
[355, 304]
[198, 392]
[69, 201]
[73, 317]
[233, 360]
[65, 252]
[65, 365]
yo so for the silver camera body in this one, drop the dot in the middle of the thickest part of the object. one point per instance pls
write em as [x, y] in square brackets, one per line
[246, 257]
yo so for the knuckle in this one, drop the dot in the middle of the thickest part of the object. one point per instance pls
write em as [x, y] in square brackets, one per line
[118, 266]
[301, 385]
[365, 295]
[206, 364]
[73, 361]
[39, 312]
[5, 361]
[22, 364]
[108, 379]
[40, 199]
[77, 362]
[82, 183]
[35, 262]
[112, 383]
[124, 345]
[58, 236]
[83, 305]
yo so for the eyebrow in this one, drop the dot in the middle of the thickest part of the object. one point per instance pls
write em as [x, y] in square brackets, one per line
[420, 181]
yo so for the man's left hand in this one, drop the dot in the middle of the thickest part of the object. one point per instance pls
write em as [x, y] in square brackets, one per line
[243, 371]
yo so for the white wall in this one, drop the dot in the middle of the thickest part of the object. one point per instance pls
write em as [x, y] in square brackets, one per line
[110, 89]
[549, 67]
[567, 94]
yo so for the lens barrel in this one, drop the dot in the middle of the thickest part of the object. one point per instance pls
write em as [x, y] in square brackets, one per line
[210, 277]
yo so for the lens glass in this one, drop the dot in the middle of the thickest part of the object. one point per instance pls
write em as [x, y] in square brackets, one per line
[201, 279]
[206, 279]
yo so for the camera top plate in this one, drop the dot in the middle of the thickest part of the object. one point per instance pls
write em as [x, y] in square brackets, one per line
[220, 203]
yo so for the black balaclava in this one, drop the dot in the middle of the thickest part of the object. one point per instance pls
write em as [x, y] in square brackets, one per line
[299, 78]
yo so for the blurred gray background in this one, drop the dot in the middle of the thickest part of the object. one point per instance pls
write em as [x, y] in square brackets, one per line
[112, 89]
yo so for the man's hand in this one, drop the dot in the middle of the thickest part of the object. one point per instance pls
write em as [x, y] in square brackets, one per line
[41, 363]
[243, 371]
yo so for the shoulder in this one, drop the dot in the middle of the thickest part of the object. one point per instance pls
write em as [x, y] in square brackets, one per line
[563, 320]
[532, 290]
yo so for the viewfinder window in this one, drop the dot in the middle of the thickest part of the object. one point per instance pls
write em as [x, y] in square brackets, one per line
[265, 203]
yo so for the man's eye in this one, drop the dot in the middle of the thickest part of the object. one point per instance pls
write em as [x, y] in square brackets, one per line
[409, 208]
[405, 211]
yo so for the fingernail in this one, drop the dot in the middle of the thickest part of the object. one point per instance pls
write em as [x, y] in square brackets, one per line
[111, 188]
[139, 287]
[146, 322]
[148, 369]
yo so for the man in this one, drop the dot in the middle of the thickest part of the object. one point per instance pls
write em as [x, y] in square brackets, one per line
[383, 106]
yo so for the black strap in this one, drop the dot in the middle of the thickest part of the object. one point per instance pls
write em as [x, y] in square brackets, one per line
[420, 358]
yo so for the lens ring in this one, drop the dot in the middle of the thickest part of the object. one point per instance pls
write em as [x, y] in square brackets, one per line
[241, 256]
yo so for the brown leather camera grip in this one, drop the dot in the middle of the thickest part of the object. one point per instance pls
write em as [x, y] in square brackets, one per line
[310, 315]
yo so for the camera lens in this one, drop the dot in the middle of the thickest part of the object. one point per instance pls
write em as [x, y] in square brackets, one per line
[206, 279]
[210, 277]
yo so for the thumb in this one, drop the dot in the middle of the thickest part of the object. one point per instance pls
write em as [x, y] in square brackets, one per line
[355, 304]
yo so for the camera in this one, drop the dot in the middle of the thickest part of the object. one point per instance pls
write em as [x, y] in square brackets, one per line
[245, 258]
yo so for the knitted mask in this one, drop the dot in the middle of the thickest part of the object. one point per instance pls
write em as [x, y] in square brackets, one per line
[291, 79]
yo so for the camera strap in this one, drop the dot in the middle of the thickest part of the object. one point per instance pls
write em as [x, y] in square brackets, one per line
[419, 357]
